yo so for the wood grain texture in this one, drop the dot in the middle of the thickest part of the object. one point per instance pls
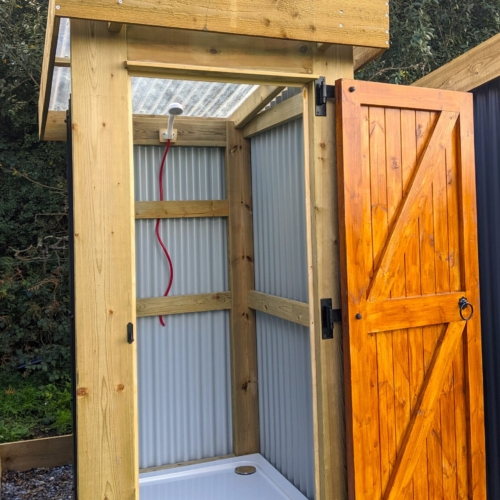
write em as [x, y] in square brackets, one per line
[375, 94]
[115, 27]
[411, 206]
[191, 131]
[181, 304]
[365, 55]
[49, 54]
[473, 356]
[365, 23]
[55, 127]
[281, 113]
[412, 312]
[468, 71]
[62, 62]
[104, 240]
[180, 209]
[257, 101]
[323, 277]
[216, 50]
[147, 69]
[37, 453]
[290, 310]
[426, 407]
[241, 280]
[397, 355]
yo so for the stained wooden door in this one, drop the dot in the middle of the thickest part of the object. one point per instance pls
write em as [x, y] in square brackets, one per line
[413, 373]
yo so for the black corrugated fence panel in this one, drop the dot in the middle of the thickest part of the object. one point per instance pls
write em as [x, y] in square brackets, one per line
[487, 145]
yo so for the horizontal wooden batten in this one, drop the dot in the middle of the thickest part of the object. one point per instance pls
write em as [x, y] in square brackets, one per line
[364, 55]
[37, 453]
[180, 304]
[62, 62]
[216, 50]
[287, 309]
[398, 314]
[467, 72]
[180, 209]
[257, 101]
[365, 23]
[191, 131]
[215, 74]
[281, 113]
[376, 94]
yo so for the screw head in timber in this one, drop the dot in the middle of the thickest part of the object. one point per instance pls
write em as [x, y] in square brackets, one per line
[352, 89]
[358, 316]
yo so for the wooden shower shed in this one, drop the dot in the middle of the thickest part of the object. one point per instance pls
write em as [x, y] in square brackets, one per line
[344, 200]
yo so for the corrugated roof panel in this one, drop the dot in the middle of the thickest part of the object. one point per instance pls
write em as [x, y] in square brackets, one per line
[151, 96]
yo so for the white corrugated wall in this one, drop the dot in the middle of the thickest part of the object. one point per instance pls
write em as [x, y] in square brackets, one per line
[183, 368]
[285, 386]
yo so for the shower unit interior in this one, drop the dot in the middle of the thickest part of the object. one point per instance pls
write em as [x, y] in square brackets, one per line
[184, 367]
[240, 375]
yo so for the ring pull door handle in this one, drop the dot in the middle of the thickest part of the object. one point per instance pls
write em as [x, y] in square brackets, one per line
[463, 305]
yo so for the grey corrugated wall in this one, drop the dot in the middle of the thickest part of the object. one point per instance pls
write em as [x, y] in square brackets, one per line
[183, 369]
[285, 391]
[487, 145]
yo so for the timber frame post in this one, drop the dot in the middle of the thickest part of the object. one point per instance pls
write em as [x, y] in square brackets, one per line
[106, 381]
[323, 275]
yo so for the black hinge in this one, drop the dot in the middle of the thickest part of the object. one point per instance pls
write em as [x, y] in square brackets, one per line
[130, 333]
[329, 316]
[323, 92]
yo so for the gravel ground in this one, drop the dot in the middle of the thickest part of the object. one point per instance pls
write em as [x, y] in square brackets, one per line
[38, 484]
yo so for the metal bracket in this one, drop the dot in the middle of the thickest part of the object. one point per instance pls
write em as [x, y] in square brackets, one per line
[329, 316]
[323, 92]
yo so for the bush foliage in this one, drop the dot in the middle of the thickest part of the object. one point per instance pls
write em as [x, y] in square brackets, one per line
[34, 322]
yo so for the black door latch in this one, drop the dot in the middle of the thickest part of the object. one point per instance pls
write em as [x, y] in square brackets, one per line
[130, 333]
[329, 316]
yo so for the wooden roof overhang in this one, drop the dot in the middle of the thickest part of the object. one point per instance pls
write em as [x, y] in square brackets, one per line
[268, 43]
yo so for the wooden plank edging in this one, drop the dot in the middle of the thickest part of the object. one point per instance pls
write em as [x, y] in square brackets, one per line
[37, 453]
[282, 113]
[180, 304]
[181, 209]
[287, 309]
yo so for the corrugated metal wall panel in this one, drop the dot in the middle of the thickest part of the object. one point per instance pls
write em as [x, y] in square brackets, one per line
[285, 400]
[279, 212]
[184, 388]
[487, 146]
[184, 368]
[285, 386]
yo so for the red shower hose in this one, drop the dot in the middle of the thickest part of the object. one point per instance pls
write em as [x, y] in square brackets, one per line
[157, 229]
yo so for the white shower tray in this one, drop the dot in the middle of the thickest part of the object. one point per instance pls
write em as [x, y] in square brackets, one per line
[217, 480]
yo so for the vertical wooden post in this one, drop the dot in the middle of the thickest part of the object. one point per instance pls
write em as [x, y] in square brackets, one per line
[323, 271]
[106, 403]
[241, 280]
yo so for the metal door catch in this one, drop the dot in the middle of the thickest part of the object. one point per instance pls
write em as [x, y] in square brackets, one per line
[130, 333]
[329, 317]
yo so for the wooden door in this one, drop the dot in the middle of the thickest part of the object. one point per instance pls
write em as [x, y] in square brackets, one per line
[413, 372]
